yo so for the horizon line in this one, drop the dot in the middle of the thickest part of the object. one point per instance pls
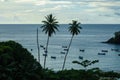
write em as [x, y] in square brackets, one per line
[40, 23]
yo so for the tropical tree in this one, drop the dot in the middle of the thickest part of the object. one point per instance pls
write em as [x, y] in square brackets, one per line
[86, 63]
[74, 29]
[50, 27]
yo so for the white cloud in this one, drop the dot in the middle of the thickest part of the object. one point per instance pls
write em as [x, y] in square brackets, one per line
[55, 8]
[46, 2]
[2, 0]
[23, 1]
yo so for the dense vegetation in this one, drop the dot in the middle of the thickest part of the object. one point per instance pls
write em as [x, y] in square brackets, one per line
[16, 63]
[115, 39]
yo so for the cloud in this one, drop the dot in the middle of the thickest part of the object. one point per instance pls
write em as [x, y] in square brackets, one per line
[117, 13]
[55, 8]
[52, 2]
[23, 1]
[35, 10]
[3, 0]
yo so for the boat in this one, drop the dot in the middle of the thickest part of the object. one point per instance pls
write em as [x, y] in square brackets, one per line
[41, 46]
[44, 54]
[65, 49]
[104, 50]
[118, 54]
[62, 52]
[53, 57]
[82, 50]
[80, 57]
[117, 50]
[64, 46]
[101, 54]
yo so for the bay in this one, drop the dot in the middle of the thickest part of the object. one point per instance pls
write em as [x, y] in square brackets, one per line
[89, 39]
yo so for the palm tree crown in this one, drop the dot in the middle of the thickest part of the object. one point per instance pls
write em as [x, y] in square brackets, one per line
[74, 28]
[50, 25]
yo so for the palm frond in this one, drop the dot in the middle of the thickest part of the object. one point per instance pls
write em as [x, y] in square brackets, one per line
[74, 28]
[50, 25]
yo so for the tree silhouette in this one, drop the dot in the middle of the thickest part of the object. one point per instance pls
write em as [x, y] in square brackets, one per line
[74, 29]
[50, 27]
[86, 63]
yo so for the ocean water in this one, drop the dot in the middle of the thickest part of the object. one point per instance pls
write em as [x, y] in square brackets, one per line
[89, 39]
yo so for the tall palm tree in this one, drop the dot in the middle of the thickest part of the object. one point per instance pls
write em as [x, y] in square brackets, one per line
[50, 27]
[74, 29]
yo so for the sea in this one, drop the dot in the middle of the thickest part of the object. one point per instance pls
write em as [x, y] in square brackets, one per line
[90, 40]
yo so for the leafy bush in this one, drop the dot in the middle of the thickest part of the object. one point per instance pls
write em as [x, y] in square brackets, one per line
[16, 63]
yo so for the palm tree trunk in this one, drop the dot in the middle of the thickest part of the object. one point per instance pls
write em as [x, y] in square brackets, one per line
[67, 52]
[38, 47]
[46, 51]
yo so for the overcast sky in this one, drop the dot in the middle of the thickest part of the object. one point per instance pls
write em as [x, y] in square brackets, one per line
[84, 11]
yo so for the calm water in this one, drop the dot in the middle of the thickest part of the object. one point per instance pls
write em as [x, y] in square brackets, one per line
[89, 40]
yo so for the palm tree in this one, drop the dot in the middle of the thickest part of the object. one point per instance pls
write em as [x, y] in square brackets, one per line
[50, 27]
[74, 29]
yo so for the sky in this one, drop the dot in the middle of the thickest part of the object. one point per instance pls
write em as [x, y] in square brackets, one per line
[84, 11]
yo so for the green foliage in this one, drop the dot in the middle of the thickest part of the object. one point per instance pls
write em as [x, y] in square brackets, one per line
[74, 28]
[110, 74]
[86, 63]
[16, 63]
[90, 74]
[50, 25]
[72, 75]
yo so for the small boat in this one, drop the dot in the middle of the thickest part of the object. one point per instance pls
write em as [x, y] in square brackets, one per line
[64, 46]
[31, 49]
[46, 51]
[104, 50]
[118, 54]
[101, 54]
[80, 57]
[41, 46]
[65, 49]
[117, 50]
[62, 52]
[44, 54]
[82, 50]
[53, 57]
